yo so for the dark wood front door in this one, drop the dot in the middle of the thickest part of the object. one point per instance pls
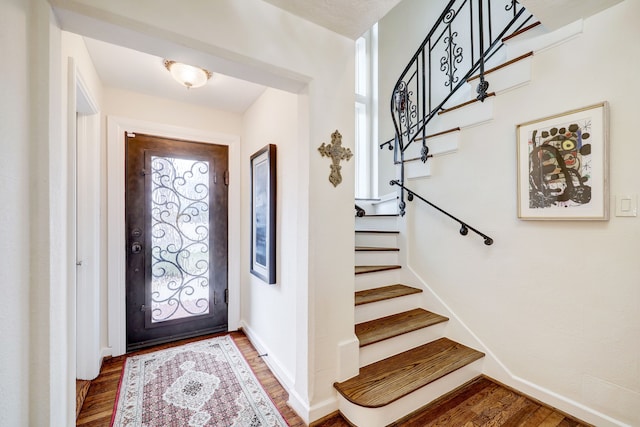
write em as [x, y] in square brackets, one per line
[176, 225]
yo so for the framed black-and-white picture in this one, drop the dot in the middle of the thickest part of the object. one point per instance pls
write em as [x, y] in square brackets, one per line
[263, 214]
[563, 166]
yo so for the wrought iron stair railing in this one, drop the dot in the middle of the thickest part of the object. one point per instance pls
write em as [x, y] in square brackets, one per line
[464, 227]
[462, 40]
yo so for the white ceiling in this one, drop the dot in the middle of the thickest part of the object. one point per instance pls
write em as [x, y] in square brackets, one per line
[558, 13]
[351, 18]
[123, 68]
[128, 69]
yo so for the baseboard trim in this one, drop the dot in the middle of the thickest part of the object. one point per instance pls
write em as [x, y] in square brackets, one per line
[495, 368]
[82, 389]
[282, 375]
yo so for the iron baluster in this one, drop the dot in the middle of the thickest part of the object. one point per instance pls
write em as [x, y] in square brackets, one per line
[483, 85]
[415, 102]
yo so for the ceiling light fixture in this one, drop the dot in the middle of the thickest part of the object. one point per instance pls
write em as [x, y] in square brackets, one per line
[187, 75]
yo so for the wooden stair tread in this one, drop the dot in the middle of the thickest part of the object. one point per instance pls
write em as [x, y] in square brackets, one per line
[383, 293]
[378, 231]
[361, 269]
[464, 104]
[503, 65]
[388, 380]
[383, 328]
[521, 31]
[375, 249]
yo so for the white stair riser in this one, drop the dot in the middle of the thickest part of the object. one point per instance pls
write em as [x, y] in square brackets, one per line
[510, 77]
[388, 205]
[377, 223]
[543, 41]
[417, 169]
[376, 310]
[377, 279]
[380, 417]
[377, 239]
[467, 116]
[377, 257]
[392, 346]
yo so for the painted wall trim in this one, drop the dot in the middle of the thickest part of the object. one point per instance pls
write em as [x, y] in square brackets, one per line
[299, 405]
[116, 128]
[84, 234]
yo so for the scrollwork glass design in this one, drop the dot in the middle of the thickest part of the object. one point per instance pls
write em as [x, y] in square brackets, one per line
[179, 238]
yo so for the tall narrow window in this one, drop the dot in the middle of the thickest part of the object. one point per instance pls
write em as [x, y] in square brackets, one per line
[366, 128]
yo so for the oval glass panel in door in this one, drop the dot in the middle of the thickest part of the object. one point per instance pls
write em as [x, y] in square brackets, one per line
[179, 238]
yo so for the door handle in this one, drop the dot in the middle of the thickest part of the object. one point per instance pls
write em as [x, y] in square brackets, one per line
[136, 247]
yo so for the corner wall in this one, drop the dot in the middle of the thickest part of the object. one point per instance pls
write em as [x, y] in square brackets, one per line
[557, 302]
[269, 311]
[15, 110]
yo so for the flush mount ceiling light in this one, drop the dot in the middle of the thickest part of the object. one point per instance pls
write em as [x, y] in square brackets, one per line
[187, 75]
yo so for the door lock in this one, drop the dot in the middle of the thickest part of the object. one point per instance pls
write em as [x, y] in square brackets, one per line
[136, 247]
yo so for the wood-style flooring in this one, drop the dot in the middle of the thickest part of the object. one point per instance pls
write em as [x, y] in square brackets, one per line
[479, 403]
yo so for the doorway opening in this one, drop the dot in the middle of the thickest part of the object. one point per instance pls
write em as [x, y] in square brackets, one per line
[176, 239]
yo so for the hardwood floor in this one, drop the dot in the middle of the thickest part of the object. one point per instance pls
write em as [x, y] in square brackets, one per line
[98, 405]
[480, 403]
[483, 402]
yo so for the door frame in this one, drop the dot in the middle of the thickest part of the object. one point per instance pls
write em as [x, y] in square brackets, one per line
[116, 254]
[84, 224]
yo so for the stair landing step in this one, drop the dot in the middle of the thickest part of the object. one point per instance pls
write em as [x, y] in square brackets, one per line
[375, 249]
[381, 329]
[361, 269]
[378, 231]
[384, 293]
[388, 380]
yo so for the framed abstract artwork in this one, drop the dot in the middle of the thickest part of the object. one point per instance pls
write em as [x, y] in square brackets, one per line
[263, 214]
[563, 166]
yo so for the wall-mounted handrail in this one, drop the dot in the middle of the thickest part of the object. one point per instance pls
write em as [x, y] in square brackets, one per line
[464, 227]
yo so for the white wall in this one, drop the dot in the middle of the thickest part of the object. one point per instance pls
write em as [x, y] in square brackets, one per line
[268, 311]
[147, 108]
[34, 324]
[557, 302]
[14, 214]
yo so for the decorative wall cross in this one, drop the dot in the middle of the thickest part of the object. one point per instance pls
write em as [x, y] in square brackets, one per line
[336, 152]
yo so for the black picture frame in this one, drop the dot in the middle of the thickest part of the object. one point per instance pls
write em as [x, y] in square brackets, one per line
[263, 214]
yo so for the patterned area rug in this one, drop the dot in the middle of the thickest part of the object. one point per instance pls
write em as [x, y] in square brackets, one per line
[205, 383]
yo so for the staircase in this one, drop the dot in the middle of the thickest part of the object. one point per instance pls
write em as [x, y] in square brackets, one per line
[405, 359]
[409, 355]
